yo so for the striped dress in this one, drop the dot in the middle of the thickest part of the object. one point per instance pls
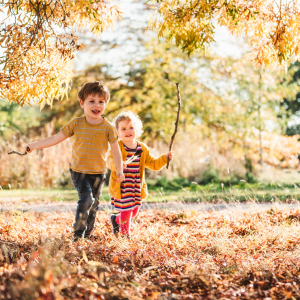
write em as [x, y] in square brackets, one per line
[131, 186]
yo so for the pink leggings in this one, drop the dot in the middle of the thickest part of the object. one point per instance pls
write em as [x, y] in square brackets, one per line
[124, 220]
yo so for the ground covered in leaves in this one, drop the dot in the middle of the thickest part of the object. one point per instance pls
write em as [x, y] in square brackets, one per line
[187, 255]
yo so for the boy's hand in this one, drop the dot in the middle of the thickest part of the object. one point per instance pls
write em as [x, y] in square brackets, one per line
[124, 165]
[120, 176]
[170, 155]
[28, 148]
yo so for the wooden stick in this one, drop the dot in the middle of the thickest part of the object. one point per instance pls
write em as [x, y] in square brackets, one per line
[16, 152]
[176, 123]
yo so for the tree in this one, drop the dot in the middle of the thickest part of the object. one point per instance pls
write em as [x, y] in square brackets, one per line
[224, 95]
[273, 26]
[38, 40]
[39, 37]
[291, 107]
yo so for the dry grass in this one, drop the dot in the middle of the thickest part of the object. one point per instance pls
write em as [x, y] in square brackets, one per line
[186, 255]
[42, 168]
[50, 167]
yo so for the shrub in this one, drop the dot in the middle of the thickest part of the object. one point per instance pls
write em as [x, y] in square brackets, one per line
[208, 176]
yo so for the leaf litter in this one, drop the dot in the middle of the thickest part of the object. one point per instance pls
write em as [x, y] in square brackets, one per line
[171, 255]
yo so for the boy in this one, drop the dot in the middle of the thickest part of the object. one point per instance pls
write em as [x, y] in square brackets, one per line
[88, 164]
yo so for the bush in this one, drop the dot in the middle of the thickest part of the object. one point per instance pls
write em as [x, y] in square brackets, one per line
[250, 177]
[209, 176]
[176, 184]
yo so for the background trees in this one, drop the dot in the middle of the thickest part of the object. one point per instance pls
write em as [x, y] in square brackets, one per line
[233, 116]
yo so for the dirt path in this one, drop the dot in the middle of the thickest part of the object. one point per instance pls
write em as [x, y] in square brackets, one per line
[171, 206]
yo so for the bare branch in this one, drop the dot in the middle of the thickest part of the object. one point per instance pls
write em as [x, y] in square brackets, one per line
[176, 123]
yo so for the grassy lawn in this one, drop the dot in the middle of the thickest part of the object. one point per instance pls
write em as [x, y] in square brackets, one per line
[213, 192]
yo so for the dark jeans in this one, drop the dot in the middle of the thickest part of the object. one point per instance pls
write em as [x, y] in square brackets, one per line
[89, 188]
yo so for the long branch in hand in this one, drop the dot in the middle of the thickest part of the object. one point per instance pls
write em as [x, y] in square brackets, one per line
[176, 123]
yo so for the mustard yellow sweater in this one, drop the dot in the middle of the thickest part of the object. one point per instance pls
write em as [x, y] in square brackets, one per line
[146, 161]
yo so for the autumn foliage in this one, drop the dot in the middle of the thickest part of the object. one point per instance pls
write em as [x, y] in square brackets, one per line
[273, 27]
[183, 255]
[38, 42]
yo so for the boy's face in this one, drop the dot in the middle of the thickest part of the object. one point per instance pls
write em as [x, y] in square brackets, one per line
[93, 106]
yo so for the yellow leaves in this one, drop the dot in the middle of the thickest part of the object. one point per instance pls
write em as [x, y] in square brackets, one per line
[274, 32]
[39, 80]
[37, 59]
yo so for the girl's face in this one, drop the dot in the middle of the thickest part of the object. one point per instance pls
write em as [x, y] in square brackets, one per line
[126, 131]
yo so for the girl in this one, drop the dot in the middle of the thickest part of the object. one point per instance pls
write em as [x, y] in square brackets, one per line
[128, 195]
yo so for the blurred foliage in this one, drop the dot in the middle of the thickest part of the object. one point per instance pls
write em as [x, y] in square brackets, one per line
[291, 107]
[226, 103]
[177, 183]
[15, 122]
[220, 94]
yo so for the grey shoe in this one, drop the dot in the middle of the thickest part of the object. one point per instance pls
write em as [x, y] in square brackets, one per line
[114, 224]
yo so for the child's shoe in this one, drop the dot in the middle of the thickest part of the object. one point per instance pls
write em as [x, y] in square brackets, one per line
[76, 238]
[114, 224]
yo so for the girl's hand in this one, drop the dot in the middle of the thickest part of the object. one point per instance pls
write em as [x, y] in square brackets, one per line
[170, 155]
[124, 165]
[120, 176]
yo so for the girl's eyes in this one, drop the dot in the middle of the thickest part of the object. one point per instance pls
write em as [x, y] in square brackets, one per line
[129, 128]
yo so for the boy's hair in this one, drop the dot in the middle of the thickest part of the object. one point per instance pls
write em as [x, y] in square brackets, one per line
[130, 116]
[94, 88]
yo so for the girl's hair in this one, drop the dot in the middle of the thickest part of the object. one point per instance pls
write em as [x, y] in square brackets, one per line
[130, 116]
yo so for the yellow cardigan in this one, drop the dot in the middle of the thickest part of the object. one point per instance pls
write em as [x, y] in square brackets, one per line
[146, 161]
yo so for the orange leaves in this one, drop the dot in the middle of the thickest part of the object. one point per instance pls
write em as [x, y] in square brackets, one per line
[186, 261]
[115, 260]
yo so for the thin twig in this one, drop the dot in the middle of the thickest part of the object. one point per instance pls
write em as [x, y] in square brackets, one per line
[176, 123]
[6, 242]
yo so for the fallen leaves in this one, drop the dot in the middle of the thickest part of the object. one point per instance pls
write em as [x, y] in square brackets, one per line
[250, 256]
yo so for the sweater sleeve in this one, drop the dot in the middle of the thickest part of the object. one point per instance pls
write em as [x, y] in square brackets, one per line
[154, 163]
[110, 161]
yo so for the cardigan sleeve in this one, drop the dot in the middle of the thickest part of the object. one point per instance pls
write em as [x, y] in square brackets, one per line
[110, 161]
[154, 163]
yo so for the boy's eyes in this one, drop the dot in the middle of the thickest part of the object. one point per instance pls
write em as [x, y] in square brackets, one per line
[92, 101]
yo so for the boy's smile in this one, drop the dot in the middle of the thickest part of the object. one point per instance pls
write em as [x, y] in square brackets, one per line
[93, 106]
